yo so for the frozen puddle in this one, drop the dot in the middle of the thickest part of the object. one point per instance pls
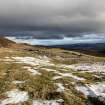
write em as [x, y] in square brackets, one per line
[95, 67]
[15, 96]
[33, 71]
[48, 102]
[93, 90]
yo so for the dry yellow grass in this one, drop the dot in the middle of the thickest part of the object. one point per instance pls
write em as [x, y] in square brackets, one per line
[43, 86]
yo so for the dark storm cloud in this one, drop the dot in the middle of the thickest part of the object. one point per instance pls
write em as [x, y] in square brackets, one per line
[65, 16]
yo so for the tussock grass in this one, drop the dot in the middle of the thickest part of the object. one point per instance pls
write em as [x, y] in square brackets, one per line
[72, 99]
[90, 77]
[42, 86]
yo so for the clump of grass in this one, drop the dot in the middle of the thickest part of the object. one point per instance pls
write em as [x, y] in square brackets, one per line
[90, 78]
[71, 99]
[70, 95]
[40, 87]
[65, 61]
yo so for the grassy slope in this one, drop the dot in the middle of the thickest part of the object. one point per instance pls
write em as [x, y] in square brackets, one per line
[38, 87]
[42, 86]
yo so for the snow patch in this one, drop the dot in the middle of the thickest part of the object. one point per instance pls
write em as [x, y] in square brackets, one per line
[62, 75]
[61, 88]
[40, 60]
[57, 77]
[48, 102]
[18, 82]
[48, 70]
[91, 67]
[15, 96]
[33, 71]
[92, 90]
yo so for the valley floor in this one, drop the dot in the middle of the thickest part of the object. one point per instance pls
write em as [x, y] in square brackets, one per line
[50, 77]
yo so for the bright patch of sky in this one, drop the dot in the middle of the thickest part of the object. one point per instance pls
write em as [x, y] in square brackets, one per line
[89, 38]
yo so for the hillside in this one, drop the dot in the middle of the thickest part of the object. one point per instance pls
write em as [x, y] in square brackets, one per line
[33, 75]
[5, 42]
[96, 49]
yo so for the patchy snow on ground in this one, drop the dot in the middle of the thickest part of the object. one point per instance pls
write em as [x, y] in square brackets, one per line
[91, 67]
[48, 70]
[48, 102]
[93, 90]
[34, 61]
[33, 71]
[57, 77]
[60, 88]
[41, 60]
[26, 60]
[15, 96]
[62, 75]
[72, 76]
[18, 82]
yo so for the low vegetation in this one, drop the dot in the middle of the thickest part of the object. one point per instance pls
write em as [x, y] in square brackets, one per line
[33, 72]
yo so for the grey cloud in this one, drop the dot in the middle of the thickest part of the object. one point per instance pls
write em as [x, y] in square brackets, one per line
[65, 16]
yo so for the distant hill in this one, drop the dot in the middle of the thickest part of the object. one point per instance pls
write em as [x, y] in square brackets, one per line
[5, 42]
[97, 49]
[94, 49]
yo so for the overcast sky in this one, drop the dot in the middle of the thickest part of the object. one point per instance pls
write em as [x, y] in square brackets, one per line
[56, 16]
